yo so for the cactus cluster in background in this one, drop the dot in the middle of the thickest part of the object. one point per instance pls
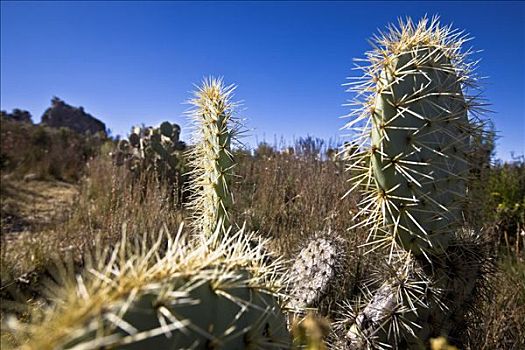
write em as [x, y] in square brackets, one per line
[150, 148]
[155, 150]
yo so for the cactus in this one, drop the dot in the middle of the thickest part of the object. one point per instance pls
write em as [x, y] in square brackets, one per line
[415, 124]
[158, 150]
[216, 128]
[412, 304]
[318, 275]
[394, 308]
[149, 147]
[173, 294]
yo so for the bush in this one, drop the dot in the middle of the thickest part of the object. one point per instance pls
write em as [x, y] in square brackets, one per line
[507, 202]
[44, 151]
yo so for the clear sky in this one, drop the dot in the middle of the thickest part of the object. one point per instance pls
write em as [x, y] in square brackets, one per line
[133, 62]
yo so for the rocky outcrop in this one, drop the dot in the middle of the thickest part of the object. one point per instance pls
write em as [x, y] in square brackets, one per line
[60, 114]
[17, 115]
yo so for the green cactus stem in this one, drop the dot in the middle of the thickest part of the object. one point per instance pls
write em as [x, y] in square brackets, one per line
[211, 158]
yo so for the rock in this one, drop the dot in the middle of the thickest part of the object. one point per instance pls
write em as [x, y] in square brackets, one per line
[60, 114]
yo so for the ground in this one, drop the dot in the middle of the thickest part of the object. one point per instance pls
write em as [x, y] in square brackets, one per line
[31, 210]
[33, 204]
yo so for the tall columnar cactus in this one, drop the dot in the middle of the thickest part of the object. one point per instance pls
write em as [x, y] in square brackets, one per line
[170, 294]
[215, 129]
[415, 123]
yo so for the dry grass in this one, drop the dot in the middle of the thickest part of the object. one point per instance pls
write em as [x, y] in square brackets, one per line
[282, 196]
[289, 198]
[33, 205]
[502, 325]
[109, 197]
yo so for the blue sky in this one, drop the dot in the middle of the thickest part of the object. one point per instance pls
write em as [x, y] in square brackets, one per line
[133, 62]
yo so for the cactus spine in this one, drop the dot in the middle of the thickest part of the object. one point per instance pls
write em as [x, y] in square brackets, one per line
[211, 158]
[415, 124]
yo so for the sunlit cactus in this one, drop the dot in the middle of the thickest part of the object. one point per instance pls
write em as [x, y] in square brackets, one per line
[165, 294]
[216, 128]
[416, 117]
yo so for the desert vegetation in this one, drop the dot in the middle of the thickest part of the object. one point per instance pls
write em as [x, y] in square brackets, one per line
[412, 236]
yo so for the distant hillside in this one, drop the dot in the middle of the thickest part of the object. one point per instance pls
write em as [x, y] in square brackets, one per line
[60, 114]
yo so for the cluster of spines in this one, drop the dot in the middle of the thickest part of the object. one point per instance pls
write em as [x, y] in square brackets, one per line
[216, 128]
[415, 302]
[390, 315]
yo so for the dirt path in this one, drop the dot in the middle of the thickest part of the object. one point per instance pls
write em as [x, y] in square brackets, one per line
[33, 205]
